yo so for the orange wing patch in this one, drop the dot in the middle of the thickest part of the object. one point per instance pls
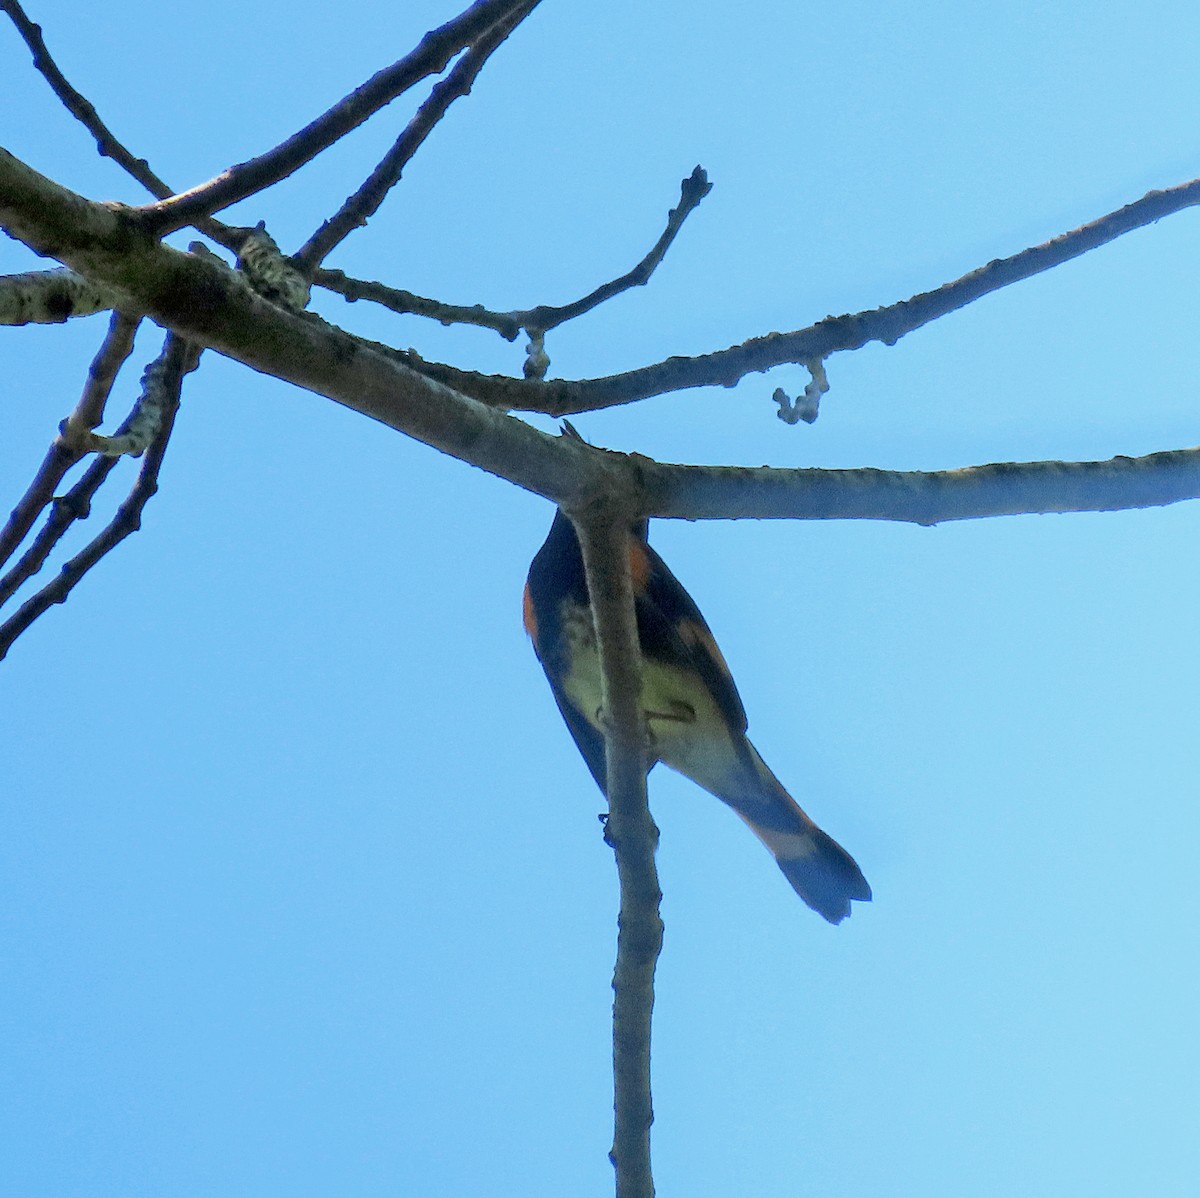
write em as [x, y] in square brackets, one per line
[639, 566]
[528, 615]
[696, 635]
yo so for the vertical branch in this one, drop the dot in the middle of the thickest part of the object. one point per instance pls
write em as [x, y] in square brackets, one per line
[634, 838]
[102, 373]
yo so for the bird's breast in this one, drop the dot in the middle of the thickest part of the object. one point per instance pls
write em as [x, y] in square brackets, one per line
[687, 728]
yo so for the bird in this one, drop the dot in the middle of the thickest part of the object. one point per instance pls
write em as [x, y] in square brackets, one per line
[695, 718]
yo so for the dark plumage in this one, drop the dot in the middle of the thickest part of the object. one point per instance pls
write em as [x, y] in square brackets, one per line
[696, 719]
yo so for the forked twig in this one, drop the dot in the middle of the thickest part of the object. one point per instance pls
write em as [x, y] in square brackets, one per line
[430, 57]
[365, 202]
[102, 373]
[67, 447]
[834, 334]
[541, 318]
[177, 359]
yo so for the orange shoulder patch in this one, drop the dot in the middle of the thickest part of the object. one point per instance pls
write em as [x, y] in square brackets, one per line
[639, 566]
[528, 615]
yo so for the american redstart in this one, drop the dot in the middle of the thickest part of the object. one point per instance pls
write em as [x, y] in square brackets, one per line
[695, 717]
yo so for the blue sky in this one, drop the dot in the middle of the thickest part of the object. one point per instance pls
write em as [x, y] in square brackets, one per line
[301, 886]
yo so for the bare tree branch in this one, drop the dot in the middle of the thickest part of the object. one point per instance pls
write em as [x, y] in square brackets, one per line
[545, 317]
[407, 303]
[176, 360]
[604, 538]
[107, 143]
[201, 299]
[893, 322]
[79, 106]
[68, 446]
[159, 393]
[365, 202]
[917, 496]
[834, 334]
[541, 318]
[430, 57]
[49, 297]
[66, 509]
[102, 373]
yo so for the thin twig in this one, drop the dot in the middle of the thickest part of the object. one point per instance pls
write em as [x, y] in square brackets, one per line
[67, 447]
[76, 504]
[538, 319]
[109, 146]
[604, 538]
[430, 57]
[365, 202]
[79, 106]
[545, 317]
[102, 373]
[180, 358]
[407, 303]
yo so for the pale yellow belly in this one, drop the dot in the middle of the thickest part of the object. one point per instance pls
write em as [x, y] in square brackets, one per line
[687, 729]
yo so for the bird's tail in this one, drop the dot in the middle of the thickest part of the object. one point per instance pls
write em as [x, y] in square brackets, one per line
[821, 872]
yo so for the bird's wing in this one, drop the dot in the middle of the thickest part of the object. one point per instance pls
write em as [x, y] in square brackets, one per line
[671, 628]
[588, 739]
